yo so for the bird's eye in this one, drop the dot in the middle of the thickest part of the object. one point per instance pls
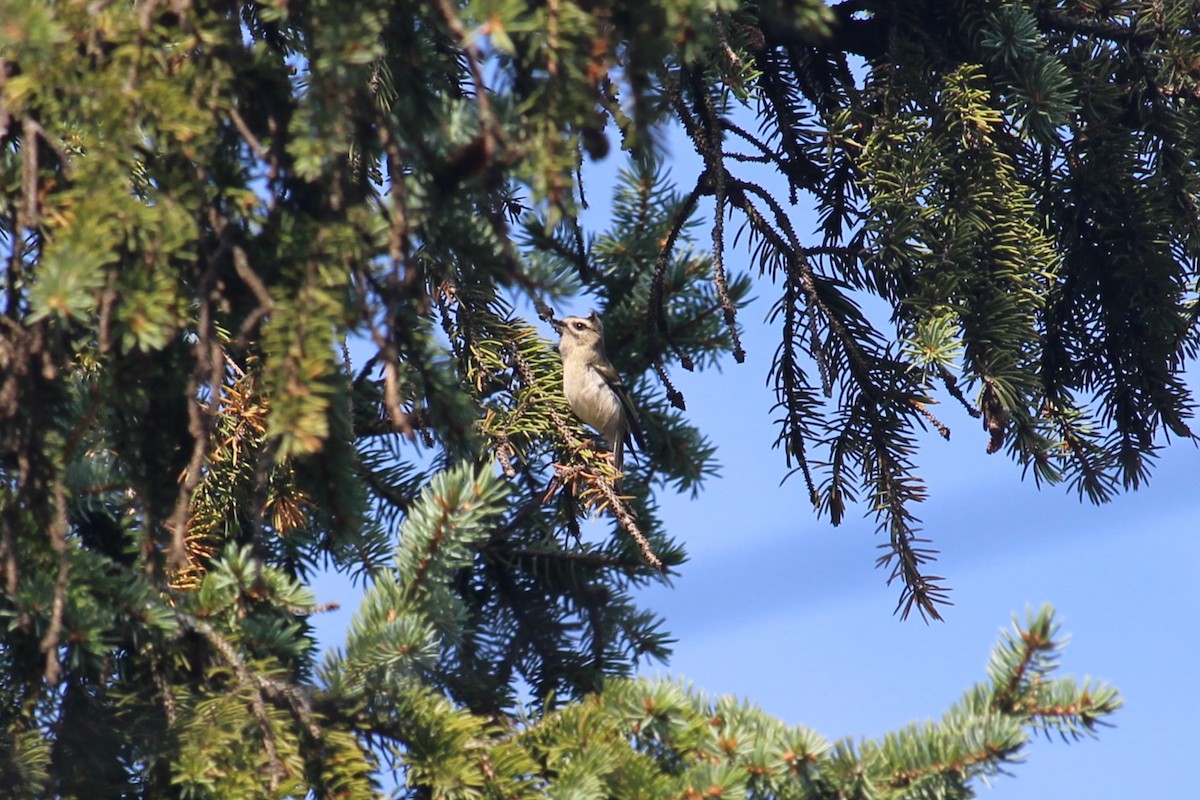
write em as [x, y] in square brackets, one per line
[579, 326]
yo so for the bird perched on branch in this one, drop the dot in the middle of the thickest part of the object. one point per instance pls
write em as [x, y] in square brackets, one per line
[592, 386]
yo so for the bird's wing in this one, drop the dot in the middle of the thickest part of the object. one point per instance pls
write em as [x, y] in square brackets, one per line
[614, 382]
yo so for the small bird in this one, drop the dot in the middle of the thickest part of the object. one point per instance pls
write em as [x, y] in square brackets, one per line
[592, 386]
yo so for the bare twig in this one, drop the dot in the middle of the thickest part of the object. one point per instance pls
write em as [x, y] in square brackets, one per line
[58, 542]
[29, 172]
[625, 516]
[247, 134]
[241, 265]
[941, 427]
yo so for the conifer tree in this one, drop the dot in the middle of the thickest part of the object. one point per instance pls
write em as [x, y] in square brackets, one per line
[209, 209]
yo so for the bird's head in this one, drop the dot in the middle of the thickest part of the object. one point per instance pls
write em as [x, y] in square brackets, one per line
[580, 333]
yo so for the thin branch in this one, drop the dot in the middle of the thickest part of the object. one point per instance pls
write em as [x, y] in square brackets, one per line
[248, 135]
[58, 542]
[397, 213]
[177, 525]
[922, 409]
[241, 265]
[202, 419]
[625, 516]
[768, 154]
[29, 173]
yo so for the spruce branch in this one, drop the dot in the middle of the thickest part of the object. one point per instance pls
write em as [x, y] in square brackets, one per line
[950, 382]
[1023, 173]
[858, 360]
[625, 516]
[788, 113]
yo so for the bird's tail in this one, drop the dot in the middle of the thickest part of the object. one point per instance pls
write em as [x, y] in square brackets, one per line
[619, 460]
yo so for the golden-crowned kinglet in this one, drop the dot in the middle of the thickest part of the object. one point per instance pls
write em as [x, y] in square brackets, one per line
[592, 386]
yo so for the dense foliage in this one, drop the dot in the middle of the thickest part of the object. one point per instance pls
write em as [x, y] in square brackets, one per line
[266, 267]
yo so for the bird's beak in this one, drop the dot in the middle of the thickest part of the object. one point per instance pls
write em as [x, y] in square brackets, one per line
[558, 326]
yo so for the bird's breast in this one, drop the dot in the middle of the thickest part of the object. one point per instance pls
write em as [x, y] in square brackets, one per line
[591, 399]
